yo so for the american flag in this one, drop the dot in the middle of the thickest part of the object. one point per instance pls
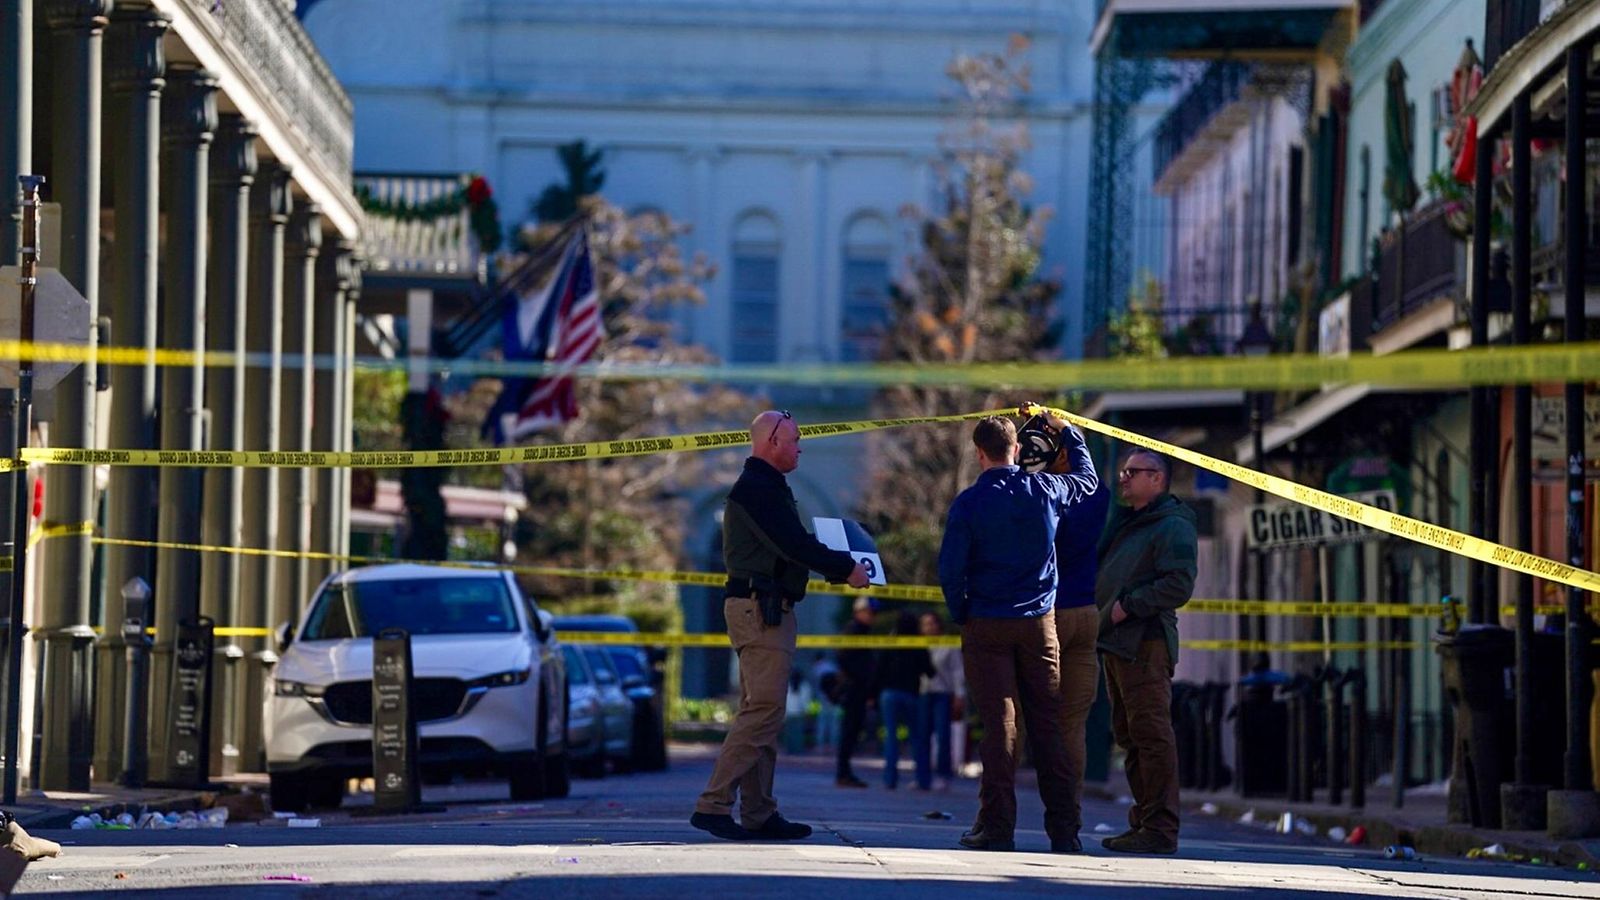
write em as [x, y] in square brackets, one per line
[557, 323]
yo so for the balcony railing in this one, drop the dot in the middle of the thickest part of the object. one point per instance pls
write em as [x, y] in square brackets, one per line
[276, 49]
[1428, 264]
[434, 246]
[1219, 86]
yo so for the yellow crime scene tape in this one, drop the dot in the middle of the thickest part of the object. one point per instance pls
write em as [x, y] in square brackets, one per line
[896, 641]
[1417, 530]
[498, 456]
[1430, 368]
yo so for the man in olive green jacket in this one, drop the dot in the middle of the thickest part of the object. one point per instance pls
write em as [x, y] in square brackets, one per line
[1147, 570]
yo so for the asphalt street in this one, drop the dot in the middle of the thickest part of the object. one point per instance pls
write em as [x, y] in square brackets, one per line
[628, 836]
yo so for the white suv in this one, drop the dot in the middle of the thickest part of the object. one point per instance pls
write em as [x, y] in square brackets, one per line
[490, 690]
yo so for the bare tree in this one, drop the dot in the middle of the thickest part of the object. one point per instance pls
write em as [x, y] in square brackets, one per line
[972, 293]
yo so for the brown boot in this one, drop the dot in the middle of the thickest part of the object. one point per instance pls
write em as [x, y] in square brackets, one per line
[1142, 841]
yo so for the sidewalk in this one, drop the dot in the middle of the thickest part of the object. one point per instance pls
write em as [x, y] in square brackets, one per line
[244, 795]
[1420, 824]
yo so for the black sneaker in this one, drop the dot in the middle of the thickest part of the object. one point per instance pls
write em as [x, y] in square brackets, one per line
[721, 826]
[1066, 845]
[977, 839]
[849, 781]
[777, 828]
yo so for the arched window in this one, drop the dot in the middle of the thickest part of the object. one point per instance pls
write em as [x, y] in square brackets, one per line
[754, 286]
[864, 293]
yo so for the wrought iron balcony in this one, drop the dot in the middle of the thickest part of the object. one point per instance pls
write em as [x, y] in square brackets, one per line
[1427, 265]
[1220, 86]
[292, 78]
[410, 242]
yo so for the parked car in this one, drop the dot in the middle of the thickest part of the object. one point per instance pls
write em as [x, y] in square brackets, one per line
[641, 681]
[586, 736]
[489, 689]
[616, 710]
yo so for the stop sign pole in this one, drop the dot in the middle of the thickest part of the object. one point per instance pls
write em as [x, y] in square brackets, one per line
[19, 535]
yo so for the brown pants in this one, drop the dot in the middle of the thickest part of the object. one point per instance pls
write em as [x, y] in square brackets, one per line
[1076, 631]
[1141, 721]
[750, 751]
[1014, 665]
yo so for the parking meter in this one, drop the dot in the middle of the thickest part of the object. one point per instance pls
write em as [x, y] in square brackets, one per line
[136, 611]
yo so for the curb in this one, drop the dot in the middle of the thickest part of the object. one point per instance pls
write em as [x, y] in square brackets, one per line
[1434, 840]
[46, 814]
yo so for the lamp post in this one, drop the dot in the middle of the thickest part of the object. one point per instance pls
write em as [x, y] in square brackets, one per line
[1256, 341]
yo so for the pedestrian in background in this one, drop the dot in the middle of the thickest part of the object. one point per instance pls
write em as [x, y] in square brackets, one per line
[942, 699]
[855, 693]
[997, 569]
[1147, 569]
[825, 686]
[900, 673]
[769, 556]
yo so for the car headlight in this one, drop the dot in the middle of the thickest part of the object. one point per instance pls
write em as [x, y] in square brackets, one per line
[283, 688]
[503, 679]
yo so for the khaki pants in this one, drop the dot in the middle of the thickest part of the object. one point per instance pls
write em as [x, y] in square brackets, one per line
[1077, 629]
[1014, 666]
[1141, 721]
[750, 751]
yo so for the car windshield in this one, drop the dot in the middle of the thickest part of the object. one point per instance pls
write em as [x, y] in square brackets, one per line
[598, 660]
[577, 672]
[419, 605]
[627, 663]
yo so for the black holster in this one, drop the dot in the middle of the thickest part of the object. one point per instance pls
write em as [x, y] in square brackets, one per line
[769, 597]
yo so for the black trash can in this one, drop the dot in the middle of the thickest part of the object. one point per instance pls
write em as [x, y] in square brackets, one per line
[1261, 735]
[1476, 663]
[1186, 730]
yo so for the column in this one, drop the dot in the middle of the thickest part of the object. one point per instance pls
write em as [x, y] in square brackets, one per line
[270, 203]
[299, 307]
[135, 67]
[189, 121]
[333, 280]
[233, 171]
[76, 33]
[346, 437]
[16, 158]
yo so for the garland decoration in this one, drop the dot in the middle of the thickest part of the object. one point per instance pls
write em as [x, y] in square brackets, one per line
[483, 214]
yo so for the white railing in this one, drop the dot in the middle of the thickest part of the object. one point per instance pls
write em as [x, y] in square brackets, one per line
[440, 245]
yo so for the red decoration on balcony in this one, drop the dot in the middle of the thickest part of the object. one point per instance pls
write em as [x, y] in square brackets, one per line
[478, 190]
[1467, 154]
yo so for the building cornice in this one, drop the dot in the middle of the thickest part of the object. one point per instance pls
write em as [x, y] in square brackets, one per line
[321, 162]
[773, 15]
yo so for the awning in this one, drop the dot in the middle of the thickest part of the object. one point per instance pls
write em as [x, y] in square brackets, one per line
[1293, 423]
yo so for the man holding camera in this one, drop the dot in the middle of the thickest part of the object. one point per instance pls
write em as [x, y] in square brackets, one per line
[768, 555]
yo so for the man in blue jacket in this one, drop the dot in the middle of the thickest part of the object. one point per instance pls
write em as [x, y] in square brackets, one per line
[997, 568]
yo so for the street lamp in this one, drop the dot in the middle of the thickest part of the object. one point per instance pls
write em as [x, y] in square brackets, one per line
[1257, 341]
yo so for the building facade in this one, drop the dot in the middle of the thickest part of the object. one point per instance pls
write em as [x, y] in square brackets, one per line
[197, 159]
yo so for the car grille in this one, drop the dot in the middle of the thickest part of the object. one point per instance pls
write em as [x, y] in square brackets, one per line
[431, 698]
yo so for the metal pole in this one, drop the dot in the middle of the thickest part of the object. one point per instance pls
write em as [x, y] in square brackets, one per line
[1575, 770]
[1522, 420]
[1478, 452]
[19, 546]
[1258, 423]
